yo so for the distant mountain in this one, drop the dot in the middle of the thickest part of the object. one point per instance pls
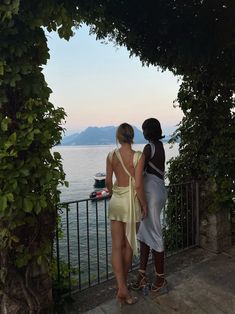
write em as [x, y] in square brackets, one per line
[99, 136]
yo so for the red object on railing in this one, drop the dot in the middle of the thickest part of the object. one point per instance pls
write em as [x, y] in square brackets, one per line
[100, 194]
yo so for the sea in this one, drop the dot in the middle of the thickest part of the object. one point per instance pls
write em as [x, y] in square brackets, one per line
[81, 163]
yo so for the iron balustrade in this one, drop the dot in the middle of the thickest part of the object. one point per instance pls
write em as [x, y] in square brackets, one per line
[82, 248]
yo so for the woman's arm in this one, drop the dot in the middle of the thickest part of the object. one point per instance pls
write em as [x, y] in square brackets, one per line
[139, 184]
[147, 154]
[109, 175]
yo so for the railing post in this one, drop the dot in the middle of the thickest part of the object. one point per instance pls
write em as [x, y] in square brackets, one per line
[68, 248]
[197, 212]
[57, 251]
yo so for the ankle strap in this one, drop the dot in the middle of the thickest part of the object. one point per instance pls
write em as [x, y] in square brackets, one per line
[160, 275]
[141, 271]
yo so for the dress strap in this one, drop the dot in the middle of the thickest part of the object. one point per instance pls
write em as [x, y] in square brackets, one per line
[110, 156]
[152, 146]
[137, 157]
[131, 223]
[122, 163]
[155, 168]
[153, 149]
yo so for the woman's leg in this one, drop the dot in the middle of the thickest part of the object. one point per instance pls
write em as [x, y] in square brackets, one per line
[159, 267]
[141, 279]
[118, 245]
[144, 256]
[127, 257]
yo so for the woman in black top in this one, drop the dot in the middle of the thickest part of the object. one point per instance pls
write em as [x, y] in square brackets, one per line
[150, 232]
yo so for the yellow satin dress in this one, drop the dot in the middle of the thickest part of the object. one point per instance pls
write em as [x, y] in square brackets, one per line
[124, 205]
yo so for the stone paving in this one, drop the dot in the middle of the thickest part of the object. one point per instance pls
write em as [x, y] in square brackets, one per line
[200, 285]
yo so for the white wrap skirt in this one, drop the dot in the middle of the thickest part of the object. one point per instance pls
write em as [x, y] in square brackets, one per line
[150, 231]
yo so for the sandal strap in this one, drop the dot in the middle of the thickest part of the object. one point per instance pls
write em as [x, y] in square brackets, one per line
[140, 280]
[143, 277]
[142, 272]
[155, 288]
[160, 275]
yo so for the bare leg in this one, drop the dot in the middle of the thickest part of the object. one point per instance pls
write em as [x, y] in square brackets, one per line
[144, 255]
[141, 279]
[127, 255]
[159, 267]
[118, 263]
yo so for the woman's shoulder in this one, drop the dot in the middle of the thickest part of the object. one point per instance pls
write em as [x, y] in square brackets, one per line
[110, 155]
[160, 145]
[147, 150]
[137, 156]
[157, 144]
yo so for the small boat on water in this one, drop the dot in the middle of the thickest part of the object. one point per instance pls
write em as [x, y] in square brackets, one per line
[99, 180]
[99, 194]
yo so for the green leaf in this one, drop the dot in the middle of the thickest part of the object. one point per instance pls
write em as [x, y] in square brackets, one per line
[57, 155]
[10, 197]
[43, 202]
[27, 205]
[39, 260]
[24, 172]
[37, 131]
[38, 208]
[30, 119]
[66, 183]
[23, 259]
[4, 124]
[12, 138]
[1, 69]
[3, 203]
[15, 239]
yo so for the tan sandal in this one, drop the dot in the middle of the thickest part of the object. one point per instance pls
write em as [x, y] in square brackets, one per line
[160, 289]
[140, 282]
[129, 300]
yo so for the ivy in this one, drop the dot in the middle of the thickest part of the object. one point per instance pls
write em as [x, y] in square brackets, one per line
[30, 126]
[207, 140]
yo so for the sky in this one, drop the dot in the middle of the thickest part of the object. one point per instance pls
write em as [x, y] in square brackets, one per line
[98, 84]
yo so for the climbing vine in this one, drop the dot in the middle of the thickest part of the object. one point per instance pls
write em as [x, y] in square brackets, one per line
[30, 171]
[207, 140]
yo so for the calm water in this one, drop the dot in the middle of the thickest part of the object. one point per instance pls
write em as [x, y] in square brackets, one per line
[82, 162]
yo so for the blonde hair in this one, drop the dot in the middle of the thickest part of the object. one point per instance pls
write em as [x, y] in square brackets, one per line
[125, 133]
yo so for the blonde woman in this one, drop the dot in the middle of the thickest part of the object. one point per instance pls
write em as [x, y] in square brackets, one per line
[127, 205]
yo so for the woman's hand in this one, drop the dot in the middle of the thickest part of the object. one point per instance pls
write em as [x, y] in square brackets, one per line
[144, 210]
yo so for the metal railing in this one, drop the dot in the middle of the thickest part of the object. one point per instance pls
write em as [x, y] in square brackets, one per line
[82, 248]
[181, 217]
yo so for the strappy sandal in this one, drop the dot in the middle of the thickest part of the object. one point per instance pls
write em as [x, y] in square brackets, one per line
[140, 282]
[160, 289]
[129, 300]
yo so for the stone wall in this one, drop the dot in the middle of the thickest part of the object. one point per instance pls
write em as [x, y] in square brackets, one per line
[215, 231]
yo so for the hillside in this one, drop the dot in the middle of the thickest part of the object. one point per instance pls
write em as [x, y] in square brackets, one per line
[99, 136]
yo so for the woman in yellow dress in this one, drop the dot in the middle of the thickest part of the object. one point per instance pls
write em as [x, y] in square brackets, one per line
[127, 205]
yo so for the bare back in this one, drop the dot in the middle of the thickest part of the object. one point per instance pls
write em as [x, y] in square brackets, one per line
[122, 178]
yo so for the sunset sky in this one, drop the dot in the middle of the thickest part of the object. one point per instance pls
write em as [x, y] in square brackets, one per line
[99, 85]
